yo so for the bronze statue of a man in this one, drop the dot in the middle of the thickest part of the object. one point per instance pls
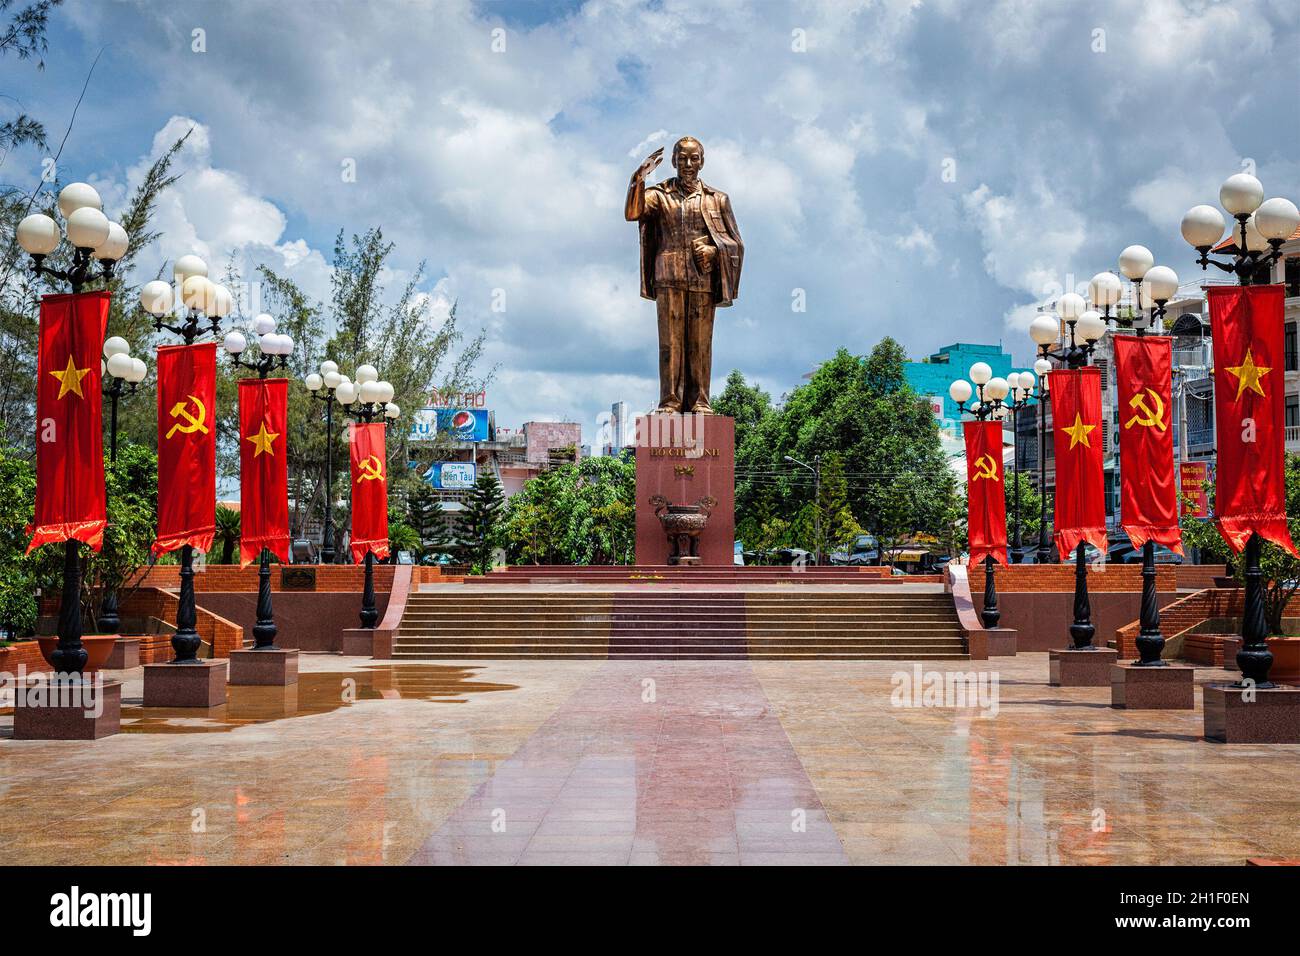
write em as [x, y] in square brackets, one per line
[690, 264]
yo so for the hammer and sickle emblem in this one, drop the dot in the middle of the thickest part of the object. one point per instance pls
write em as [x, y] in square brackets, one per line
[1156, 418]
[986, 466]
[372, 469]
[180, 410]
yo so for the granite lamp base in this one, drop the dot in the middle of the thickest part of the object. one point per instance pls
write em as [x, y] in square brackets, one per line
[186, 685]
[1072, 668]
[1272, 717]
[1002, 641]
[58, 711]
[125, 654]
[1172, 687]
[276, 668]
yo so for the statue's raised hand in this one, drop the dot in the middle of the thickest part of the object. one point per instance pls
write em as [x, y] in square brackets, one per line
[651, 163]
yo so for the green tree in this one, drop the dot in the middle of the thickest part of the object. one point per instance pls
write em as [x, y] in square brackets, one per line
[131, 486]
[578, 513]
[479, 524]
[227, 535]
[18, 581]
[1281, 570]
[746, 404]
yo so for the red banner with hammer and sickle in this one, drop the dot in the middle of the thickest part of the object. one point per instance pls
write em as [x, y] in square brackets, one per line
[187, 446]
[1249, 413]
[70, 502]
[1148, 491]
[986, 512]
[1077, 430]
[369, 491]
[263, 468]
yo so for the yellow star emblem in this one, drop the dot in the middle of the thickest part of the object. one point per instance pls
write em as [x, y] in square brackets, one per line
[262, 440]
[70, 379]
[1248, 375]
[1078, 432]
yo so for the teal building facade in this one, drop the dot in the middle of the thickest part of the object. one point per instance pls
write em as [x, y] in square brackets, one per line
[931, 377]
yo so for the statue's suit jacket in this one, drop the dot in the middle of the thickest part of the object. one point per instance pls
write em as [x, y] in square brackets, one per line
[722, 230]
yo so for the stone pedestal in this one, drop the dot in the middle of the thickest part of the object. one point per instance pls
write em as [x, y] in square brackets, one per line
[278, 667]
[1071, 668]
[125, 654]
[1001, 641]
[686, 458]
[1273, 717]
[359, 642]
[47, 710]
[186, 685]
[1172, 687]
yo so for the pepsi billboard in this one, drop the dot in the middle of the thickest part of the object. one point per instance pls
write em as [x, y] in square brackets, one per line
[458, 424]
[462, 424]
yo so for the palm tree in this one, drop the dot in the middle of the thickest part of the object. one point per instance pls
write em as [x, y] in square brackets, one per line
[227, 532]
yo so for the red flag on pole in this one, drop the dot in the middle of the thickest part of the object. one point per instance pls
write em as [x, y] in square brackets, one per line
[70, 502]
[263, 468]
[986, 500]
[1077, 441]
[187, 446]
[1249, 413]
[1148, 491]
[369, 491]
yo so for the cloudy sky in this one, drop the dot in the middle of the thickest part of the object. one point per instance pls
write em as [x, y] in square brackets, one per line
[927, 170]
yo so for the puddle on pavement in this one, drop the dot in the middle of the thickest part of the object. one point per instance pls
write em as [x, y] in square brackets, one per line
[315, 693]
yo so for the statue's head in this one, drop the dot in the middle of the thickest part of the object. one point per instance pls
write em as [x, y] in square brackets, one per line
[688, 158]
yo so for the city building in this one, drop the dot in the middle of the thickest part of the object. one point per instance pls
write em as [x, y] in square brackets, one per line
[619, 431]
[931, 377]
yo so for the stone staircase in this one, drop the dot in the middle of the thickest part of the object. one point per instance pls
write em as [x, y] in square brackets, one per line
[685, 625]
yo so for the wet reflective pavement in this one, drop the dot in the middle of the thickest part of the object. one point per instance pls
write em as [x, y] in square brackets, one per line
[647, 762]
[314, 693]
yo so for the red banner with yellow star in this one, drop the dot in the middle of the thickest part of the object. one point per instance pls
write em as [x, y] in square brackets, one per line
[263, 468]
[187, 446]
[1077, 431]
[70, 502]
[1148, 492]
[1249, 413]
[986, 502]
[369, 491]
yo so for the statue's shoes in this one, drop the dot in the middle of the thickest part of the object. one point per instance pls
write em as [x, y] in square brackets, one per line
[702, 408]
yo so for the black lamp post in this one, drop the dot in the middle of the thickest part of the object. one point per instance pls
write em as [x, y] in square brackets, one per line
[1084, 328]
[1044, 546]
[274, 350]
[123, 370]
[368, 399]
[1262, 226]
[990, 396]
[94, 240]
[205, 304]
[322, 387]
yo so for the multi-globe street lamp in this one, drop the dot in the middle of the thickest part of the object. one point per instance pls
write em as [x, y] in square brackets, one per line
[1022, 393]
[1074, 348]
[1152, 288]
[323, 387]
[365, 400]
[94, 239]
[206, 304]
[122, 369]
[990, 392]
[274, 350]
[1263, 225]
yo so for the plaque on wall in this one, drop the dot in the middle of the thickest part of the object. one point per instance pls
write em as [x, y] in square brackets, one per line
[298, 577]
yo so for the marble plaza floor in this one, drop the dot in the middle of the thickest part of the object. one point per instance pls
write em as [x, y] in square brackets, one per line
[647, 762]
